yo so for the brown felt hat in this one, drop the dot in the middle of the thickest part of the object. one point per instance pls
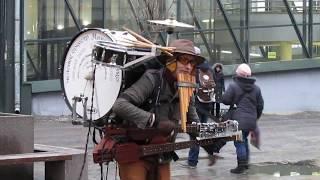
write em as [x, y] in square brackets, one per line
[184, 46]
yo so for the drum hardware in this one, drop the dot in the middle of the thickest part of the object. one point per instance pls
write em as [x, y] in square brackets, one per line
[171, 24]
[83, 100]
[112, 51]
[77, 75]
[222, 129]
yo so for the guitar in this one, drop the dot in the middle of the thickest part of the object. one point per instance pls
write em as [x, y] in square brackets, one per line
[110, 149]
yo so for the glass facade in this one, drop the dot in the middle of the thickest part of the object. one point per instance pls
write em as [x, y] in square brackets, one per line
[228, 31]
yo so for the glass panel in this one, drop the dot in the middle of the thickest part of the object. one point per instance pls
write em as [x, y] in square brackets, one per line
[299, 9]
[43, 59]
[225, 50]
[234, 10]
[316, 41]
[271, 44]
[265, 13]
[48, 25]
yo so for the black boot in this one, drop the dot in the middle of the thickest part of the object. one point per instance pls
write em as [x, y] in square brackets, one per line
[242, 166]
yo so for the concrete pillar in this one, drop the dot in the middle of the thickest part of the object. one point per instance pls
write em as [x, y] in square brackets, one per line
[285, 50]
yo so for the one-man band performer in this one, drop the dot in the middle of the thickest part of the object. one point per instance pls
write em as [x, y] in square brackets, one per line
[165, 116]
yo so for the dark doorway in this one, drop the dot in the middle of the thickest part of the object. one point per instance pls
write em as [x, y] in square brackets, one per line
[6, 56]
[2, 49]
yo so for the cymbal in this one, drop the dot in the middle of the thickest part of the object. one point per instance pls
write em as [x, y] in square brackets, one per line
[172, 23]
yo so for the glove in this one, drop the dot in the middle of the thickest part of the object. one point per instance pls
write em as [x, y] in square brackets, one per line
[166, 127]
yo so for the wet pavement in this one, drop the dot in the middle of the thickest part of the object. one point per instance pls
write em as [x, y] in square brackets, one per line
[290, 150]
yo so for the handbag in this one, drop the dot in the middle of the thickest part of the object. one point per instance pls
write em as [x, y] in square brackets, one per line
[228, 115]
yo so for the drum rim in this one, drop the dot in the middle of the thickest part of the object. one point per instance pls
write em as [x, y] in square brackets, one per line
[69, 43]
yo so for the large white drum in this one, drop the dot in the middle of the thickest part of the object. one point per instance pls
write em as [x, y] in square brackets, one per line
[83, 78]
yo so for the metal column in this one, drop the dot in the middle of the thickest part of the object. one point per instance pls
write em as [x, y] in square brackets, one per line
[310, 28]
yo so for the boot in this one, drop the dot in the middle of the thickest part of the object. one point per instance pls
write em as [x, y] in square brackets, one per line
[242, 167]
[212, 159]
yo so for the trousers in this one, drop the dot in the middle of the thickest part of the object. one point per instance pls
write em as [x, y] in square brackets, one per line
[242, 147]
[139, 171]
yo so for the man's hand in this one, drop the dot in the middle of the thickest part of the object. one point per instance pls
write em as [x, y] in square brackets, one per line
[166, 127]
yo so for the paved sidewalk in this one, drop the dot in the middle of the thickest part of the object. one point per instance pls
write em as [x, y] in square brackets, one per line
[290, 149]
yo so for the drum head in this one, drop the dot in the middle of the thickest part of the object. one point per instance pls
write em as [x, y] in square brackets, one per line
[82, 78]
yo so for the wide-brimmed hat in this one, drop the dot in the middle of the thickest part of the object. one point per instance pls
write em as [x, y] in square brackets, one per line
[182, 46]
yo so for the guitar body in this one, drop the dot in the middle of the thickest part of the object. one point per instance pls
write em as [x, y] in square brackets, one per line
[127, 152]
[110, 148]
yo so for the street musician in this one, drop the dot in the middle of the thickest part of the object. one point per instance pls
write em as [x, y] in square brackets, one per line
[171, 84]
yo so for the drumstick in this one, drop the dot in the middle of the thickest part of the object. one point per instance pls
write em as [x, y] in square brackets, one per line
[149, 45]
[139, 37]
[166, 50]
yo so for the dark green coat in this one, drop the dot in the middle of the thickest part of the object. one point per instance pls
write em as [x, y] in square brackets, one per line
[127, 106]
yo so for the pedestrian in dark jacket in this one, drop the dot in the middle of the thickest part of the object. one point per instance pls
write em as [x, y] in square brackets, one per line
[203, 102]
[247, 97]
[166, 116]
[219, 89]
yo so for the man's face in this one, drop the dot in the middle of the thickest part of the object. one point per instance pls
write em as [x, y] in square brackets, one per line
[185, 64]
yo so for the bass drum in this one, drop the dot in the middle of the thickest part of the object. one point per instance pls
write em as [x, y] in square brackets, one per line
[80, 77]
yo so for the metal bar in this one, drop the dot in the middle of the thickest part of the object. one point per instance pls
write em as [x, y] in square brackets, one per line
[242, 35]
[247, 25]
[162, 39]
[72, 14]
[215, 53]
[310, 28]
[304, 20]
[178, 15]
[32, 64]
[17, 57]
[231, 31]
[209, 49]
[137, 18]
[263, 52]
[103, 13]
[296, 28]
[30, 41]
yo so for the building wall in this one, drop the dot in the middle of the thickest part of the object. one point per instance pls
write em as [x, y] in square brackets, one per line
[284, 93]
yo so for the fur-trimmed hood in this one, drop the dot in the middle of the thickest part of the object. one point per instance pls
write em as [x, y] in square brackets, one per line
[217, 64]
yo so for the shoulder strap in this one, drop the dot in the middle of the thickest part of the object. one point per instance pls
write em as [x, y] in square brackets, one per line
[157, 90]
[156, 93]
[240, 98]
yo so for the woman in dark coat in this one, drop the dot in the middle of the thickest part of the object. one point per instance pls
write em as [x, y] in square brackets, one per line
[219, 89]
[247, 97]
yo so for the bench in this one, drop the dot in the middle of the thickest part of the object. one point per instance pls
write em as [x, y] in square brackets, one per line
[60, 163]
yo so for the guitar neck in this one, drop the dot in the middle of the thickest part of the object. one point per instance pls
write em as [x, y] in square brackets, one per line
[147, 150]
